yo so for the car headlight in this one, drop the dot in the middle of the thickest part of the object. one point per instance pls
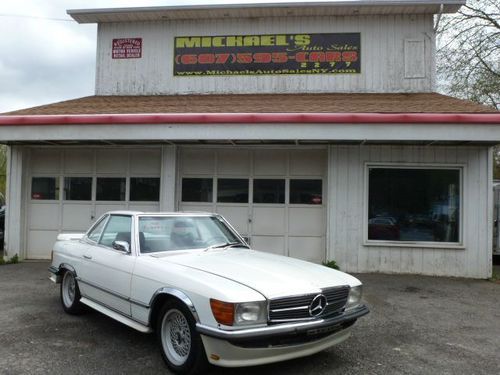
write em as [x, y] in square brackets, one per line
[354, 298]
[245, 313]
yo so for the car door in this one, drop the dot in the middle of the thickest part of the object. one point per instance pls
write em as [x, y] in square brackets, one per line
[107, 272]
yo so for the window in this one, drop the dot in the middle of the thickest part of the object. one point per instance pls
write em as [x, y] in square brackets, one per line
[110, 189]
[45, 188]
[306, 191]
[414, 204]
[144, 189]
[268, 191]
[96, 231]
[197, 189]
[117, 229]
[232, 190]
[77, 188]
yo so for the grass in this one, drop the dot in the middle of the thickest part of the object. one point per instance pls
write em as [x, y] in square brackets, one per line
[13, 260]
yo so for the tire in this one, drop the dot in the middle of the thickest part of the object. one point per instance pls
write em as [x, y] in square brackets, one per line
[70, 294]
[180, 344]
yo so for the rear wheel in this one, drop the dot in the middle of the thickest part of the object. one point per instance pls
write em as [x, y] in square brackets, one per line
[181, 346]
[70, 294]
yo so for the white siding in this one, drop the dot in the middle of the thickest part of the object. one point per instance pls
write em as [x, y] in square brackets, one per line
[347, 202]
[382, 56]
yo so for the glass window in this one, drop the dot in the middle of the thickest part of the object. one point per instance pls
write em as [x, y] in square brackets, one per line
[268, 191]
[77, 188]
[44, 188]
[406, 204]
[144, 189]
[110, 189]
[117, 229]
[95, 233]
[197, 189]
[232, 190]
[306, 191]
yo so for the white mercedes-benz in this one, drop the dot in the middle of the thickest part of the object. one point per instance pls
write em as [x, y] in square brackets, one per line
[194, 281]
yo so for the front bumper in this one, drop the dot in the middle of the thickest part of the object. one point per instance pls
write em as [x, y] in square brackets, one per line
[256, 346]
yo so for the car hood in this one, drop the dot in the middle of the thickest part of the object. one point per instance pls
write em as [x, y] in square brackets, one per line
[271, 275]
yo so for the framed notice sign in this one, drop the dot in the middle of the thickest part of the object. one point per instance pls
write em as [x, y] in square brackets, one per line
[337, 53]
[127, 48]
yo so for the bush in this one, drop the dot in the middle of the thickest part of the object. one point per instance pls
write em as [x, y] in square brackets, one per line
[13, 260]
[331, 264]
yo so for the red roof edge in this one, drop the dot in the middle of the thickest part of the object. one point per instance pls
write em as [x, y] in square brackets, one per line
[254, 118]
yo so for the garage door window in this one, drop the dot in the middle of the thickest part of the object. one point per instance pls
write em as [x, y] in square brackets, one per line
[269, 191]
[144, 189]
[110, 189]
[414, 204]
[306, 191]
[44, 188]
[77, 188]
[232, 190]
[197, 189]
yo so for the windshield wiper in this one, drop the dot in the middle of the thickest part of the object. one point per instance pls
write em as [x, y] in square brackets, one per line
[227, 245]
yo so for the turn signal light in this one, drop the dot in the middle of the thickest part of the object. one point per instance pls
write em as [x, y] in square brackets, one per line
[223, 312]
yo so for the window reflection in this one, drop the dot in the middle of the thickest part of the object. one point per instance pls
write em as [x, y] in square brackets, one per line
[414, 204]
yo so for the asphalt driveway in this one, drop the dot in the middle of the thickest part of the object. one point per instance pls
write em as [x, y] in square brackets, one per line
[418, 325]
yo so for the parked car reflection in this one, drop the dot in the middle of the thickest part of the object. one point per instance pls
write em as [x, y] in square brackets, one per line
[383, 228]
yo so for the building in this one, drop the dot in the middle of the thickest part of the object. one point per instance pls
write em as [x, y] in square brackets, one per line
[313, 127]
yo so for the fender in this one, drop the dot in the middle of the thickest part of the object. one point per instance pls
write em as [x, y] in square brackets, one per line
[177, 294]
[67, 267]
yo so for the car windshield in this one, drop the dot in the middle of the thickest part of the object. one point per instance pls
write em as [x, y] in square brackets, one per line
[170, 233]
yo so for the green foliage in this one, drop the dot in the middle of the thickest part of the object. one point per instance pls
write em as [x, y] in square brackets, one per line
[13, 260]
[3, 172]
[468, 56]
[331, 264]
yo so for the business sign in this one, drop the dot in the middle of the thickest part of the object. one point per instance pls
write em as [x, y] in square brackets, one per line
[127, 48]
[267, 54]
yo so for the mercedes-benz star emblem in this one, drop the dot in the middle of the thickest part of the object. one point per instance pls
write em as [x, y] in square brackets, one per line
[317, 305]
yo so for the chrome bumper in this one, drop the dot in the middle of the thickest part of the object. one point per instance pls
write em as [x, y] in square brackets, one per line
[288, 329]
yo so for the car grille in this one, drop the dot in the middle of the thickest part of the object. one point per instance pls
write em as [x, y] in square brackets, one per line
[297, 307]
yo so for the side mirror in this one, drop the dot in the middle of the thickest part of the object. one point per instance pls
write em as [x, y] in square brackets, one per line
[121, 246]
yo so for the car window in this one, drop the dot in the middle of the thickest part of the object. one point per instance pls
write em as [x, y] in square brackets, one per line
[118, 228]
[95, 233]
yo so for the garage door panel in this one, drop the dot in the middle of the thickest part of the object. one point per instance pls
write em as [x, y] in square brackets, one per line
[40, 243]
[311, 249]
[307, 163]
[198, 162]
[269, 244]
[112, 161]
[44, 216]
[45, 161]
[145, 207]
[78, 161]
[143, 162]
[270, 162]
[233, 162]
[305, 221]
[76, 217]
[237, 217]
[268, 221]
[193, 207]
[101, 209]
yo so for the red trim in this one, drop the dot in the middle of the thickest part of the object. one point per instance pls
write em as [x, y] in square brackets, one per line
[255, 118]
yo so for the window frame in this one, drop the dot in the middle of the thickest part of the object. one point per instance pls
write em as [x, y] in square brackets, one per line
[460, 245]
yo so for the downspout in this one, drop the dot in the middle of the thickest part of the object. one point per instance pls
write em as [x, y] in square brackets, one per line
[441, 9]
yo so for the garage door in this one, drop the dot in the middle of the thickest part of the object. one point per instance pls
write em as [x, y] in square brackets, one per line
[274, 197]
[68, 189]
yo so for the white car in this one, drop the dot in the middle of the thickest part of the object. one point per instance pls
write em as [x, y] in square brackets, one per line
[193, 280]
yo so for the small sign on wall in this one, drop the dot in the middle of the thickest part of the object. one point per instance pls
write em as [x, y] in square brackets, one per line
[127, 48]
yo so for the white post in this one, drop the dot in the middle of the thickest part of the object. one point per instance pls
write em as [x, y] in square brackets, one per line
[14, 203]
[168, 178]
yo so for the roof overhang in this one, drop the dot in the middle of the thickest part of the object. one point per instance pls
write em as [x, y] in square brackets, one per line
[288, 9]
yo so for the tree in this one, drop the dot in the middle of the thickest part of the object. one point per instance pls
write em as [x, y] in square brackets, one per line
[3, 172]
[468, 56]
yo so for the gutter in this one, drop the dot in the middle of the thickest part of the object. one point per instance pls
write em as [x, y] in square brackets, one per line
[254, 118]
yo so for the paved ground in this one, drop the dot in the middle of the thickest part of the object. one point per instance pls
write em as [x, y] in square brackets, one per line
[418, 325]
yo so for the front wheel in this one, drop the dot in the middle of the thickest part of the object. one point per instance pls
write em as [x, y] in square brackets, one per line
[181, 346]
[70, 294]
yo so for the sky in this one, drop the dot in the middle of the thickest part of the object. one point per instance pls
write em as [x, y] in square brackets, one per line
[46, 57]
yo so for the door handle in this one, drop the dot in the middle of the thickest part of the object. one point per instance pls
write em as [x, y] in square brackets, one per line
[87, 257]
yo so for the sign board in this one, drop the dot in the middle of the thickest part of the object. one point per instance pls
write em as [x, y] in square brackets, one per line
[127, 48]
[337, 53]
